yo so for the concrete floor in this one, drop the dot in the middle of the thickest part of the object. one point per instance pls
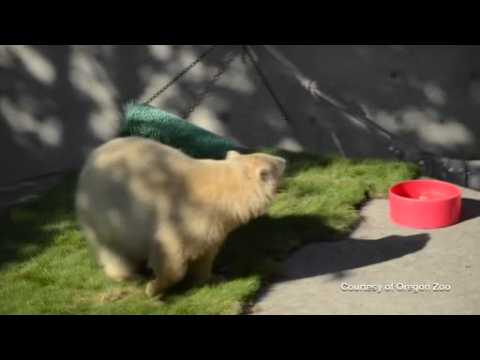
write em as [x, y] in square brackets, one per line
[385, 269]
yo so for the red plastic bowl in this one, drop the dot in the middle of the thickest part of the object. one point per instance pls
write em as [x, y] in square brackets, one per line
[425, 204]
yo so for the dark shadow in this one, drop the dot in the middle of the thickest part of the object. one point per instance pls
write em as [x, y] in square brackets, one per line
[22, 232]
[470, 209]
[349, 254]
[266, 243]
[341, 257]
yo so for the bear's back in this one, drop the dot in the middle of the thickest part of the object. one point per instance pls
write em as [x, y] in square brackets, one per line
[125, 182]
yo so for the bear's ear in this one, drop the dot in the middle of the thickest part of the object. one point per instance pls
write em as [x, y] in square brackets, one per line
[282, 163]
[264, 173]
[232, 154]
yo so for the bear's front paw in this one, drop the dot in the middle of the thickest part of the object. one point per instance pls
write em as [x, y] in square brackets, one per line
[152, 290]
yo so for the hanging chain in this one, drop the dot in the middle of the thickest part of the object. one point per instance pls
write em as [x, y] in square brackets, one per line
[251, 55]
[230, 57]
[178, 76]
[312, 88]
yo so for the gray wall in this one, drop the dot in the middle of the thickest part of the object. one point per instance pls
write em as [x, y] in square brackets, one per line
[57, 102]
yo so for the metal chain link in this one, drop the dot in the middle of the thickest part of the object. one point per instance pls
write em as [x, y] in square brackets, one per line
[229, 58]
[178, 76]
[251, 55]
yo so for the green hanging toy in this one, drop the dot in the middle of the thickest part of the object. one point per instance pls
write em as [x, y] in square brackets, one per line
[153, 123]
[144, 120]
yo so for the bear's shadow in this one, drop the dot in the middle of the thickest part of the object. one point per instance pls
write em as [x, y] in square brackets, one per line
[296, 247]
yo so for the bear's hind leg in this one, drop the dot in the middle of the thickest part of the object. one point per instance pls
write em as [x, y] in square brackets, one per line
[200, 270]
[117, 266]
[167, 262]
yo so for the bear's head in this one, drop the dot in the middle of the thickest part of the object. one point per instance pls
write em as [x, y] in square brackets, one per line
[262, 174]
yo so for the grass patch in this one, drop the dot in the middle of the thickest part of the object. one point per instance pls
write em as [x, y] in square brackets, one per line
[46, 267]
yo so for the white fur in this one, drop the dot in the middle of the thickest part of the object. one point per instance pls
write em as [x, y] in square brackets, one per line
[143, 203]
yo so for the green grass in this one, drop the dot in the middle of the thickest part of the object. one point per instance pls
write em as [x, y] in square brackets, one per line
[46, 267]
